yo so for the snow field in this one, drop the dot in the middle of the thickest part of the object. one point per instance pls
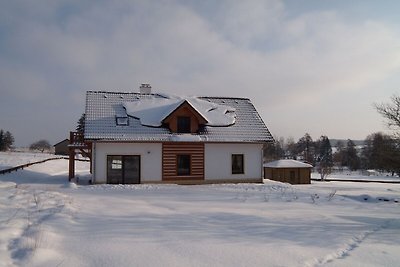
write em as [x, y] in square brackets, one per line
[46, 221]
[12, 159]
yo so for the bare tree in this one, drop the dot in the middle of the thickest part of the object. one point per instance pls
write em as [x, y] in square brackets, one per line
[41, 145]
[391, 112]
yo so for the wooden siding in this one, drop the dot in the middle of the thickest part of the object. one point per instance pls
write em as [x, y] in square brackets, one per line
[170, 151]
[184, 110]
[298, 176]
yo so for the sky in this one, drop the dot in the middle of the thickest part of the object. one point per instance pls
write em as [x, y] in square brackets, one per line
[313, 66]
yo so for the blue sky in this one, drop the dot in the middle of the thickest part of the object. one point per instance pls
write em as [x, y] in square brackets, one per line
[308, 66]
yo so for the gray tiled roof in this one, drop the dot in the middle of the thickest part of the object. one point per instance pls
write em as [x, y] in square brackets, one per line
[102, 108]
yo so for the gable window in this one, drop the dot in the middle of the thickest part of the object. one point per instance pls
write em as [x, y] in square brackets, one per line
[237, 164]
[183, 164]
[183, 124]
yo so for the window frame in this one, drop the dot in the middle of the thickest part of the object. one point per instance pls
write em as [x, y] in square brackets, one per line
[240, 167]
[183, 171]
[125, 121]
[117, 171]
[183, 124]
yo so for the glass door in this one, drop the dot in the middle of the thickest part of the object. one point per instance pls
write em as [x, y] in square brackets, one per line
[123, 169]
[131, 169]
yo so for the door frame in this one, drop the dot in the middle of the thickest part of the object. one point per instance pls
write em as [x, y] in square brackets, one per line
[123, 167]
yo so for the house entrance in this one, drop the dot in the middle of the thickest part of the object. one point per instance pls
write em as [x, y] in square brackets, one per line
[123, 169]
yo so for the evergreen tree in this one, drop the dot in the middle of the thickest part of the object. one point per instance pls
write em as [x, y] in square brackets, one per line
[2, 147]
[305, 146]
[325, 161]
[339, 156]
[6, 140]
[80, 128]
[351, 156]
[273, 151]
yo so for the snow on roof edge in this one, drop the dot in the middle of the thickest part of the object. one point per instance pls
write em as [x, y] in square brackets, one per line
[287, 163]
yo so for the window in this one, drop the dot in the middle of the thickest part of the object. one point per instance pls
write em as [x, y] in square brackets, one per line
[237, 164]
[183, 163]
[122, 120]
[116, 164]
[183, 124]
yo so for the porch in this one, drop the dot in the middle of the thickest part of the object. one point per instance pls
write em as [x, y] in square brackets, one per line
[78, 146]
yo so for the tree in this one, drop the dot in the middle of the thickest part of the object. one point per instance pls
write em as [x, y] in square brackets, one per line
[2, 147]
[352, 160]
[325, 161]
[274, 151]
[290, 148]
[305, 146]
[391, 111]
[41, 145]
[6, 140]
[339, 156]
[80, 128]
[381, 152]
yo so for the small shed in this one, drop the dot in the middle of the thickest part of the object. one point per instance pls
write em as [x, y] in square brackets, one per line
[61, 148]
[288, 171]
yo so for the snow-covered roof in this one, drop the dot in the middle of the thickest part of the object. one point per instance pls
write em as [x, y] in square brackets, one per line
[228, 119]
[152, 112]
[287, 163]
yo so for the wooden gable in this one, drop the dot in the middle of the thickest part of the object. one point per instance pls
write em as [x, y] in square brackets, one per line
[185, 110]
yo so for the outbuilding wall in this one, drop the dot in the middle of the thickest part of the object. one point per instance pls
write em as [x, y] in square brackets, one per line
[150, 159]
[288, 175]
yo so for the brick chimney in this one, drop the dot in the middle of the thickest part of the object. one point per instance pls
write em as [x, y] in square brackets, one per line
[145, 88]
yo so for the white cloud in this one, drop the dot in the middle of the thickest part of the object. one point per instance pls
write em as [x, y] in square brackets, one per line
[251, 49]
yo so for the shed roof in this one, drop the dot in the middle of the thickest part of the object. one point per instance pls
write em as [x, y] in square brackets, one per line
[287, 163]
[65, 140]
[103, 107]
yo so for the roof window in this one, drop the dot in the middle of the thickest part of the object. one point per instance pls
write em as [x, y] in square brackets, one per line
[122, 120]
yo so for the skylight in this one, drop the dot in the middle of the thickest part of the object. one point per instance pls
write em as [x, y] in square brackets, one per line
[122, 120]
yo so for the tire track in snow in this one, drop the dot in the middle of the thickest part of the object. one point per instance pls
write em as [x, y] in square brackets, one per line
[21, 229]
[344, 251]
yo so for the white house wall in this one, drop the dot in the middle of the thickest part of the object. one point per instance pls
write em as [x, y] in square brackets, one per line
[150, 159]
[218, 161]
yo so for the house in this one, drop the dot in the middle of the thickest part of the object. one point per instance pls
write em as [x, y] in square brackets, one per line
[158, 138]
[288, 171]
[61, 148]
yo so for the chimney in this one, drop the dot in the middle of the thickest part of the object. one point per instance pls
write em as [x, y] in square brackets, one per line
[145, 89]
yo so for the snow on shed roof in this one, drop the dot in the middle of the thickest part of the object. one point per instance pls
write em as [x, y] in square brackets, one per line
[287, 163]
[103, 107]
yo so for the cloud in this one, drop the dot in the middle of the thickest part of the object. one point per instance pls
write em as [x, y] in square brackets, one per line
[253, 49]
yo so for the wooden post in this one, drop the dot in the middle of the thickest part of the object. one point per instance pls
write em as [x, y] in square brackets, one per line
[71, 157]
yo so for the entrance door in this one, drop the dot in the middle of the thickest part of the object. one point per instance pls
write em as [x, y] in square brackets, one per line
[123, 169]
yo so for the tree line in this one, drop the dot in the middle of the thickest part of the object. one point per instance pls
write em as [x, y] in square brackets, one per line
[379, 152]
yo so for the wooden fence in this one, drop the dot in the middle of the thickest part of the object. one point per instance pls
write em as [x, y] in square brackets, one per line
[21, 167]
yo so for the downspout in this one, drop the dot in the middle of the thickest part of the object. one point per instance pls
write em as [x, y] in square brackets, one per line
[94, 162]
[262, 163]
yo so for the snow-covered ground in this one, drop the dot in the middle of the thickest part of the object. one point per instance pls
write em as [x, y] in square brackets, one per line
[46, 221]
[359, 175]
[13, 159]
